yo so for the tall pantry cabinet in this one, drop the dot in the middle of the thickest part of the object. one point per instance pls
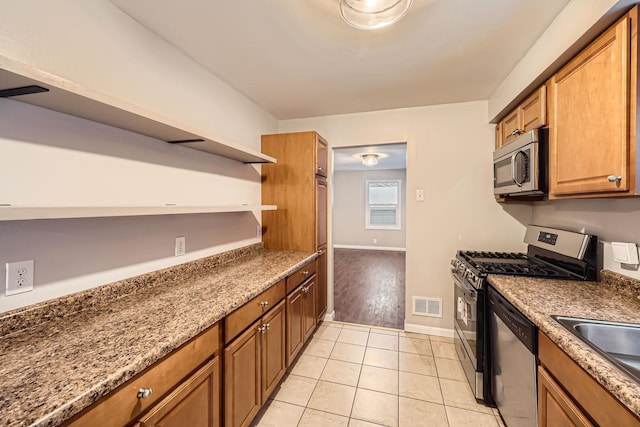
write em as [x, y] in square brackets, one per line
[297, 184]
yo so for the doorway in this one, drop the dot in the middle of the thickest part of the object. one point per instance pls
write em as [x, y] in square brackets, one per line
[368, 234]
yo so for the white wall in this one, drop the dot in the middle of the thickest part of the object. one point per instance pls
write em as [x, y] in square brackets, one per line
[449, 150]
[51, 158]
[349, 208]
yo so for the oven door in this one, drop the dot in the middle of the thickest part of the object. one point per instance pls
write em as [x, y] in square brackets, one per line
[466, 317]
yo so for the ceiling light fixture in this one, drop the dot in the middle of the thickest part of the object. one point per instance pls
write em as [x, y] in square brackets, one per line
[373, 14]
[370, 159]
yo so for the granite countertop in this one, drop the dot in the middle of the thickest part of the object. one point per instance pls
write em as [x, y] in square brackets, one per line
[61, 356]
[615, 298]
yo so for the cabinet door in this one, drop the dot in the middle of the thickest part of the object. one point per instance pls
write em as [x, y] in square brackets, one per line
[510, 126]
[555, 408]
[295, 332]
[589, 126]
[273, 350]
[498, 135]
[195, 403]
[321, 213]
[534, 110]
[321, 283]
[242, 398]
[322, 156]
[309, 308]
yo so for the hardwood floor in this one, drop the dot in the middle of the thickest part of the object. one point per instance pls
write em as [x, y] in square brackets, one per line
[369, 287]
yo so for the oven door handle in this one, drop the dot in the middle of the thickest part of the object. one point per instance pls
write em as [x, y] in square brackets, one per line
[465, 286]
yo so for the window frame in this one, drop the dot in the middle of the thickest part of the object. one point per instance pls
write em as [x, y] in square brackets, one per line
[398, 205]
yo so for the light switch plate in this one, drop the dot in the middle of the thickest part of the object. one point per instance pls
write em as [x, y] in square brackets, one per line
[181, 246]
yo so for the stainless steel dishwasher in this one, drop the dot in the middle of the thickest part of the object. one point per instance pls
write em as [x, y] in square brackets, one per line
[513, 344]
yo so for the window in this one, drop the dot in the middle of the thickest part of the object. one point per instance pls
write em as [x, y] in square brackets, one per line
[383, 204]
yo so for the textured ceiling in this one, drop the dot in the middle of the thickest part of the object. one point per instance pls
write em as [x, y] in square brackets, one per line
[297, 58]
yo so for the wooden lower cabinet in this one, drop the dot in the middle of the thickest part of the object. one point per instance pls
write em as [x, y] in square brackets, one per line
[195, 403]
[301, 317]
[309, 309]
[254, 364]
[569, 396]
[172, 375]
[273, 361]
[321, 283]
[295, 328]
[555, 408]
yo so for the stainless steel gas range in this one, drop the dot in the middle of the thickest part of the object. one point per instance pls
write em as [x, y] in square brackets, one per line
[551, 253]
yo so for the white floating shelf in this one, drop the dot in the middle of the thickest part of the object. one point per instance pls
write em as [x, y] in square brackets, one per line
[71, 98]
[24, 212]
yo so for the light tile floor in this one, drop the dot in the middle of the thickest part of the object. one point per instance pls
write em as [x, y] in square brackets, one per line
[350, 375]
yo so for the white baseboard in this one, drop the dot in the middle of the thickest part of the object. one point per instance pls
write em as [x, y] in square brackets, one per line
[428, 330]
[370, 248]
[328, 317]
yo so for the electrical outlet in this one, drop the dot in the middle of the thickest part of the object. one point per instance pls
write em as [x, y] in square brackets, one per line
[19, 277]
[419, 195]
[181, 246]
[259, 231]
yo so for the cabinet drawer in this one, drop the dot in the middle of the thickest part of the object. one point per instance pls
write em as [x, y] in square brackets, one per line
[123, 405]
[244, 316]
[302, 274]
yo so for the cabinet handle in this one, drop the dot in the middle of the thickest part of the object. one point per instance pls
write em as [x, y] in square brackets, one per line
[144, 393]
[516, 132]
[267, 325]
[262, 329]
[264, 303]
[305, 272]
[614, 178]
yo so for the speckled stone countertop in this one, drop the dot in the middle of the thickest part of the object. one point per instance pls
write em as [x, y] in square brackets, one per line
[61, 356]
[616, 298]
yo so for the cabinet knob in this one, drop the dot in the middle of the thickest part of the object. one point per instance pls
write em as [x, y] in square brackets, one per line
[305, 272]
[262, 329]
[264, 303]
[267, 325]
[144, 393]
[614, 178]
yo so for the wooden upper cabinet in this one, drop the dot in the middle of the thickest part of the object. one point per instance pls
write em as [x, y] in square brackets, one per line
[530, 114]
[291, 185]
[510, 126]
[322, 156]
[321, 212]
[533, 110]
[592, 121]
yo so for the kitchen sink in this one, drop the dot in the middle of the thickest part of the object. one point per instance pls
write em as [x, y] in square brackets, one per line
[617, 342]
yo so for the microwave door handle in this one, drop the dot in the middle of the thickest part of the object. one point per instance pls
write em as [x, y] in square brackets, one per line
[513, 170]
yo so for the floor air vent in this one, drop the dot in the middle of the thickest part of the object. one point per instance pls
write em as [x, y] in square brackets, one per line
[423, 306]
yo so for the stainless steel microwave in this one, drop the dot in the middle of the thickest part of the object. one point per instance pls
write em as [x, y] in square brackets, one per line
[520, 166]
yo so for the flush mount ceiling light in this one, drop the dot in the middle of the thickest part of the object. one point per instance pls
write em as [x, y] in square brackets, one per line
[373, 14]
[370, 159]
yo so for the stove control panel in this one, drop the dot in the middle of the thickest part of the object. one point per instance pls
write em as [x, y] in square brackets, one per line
[548, 238]
[459, 269]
